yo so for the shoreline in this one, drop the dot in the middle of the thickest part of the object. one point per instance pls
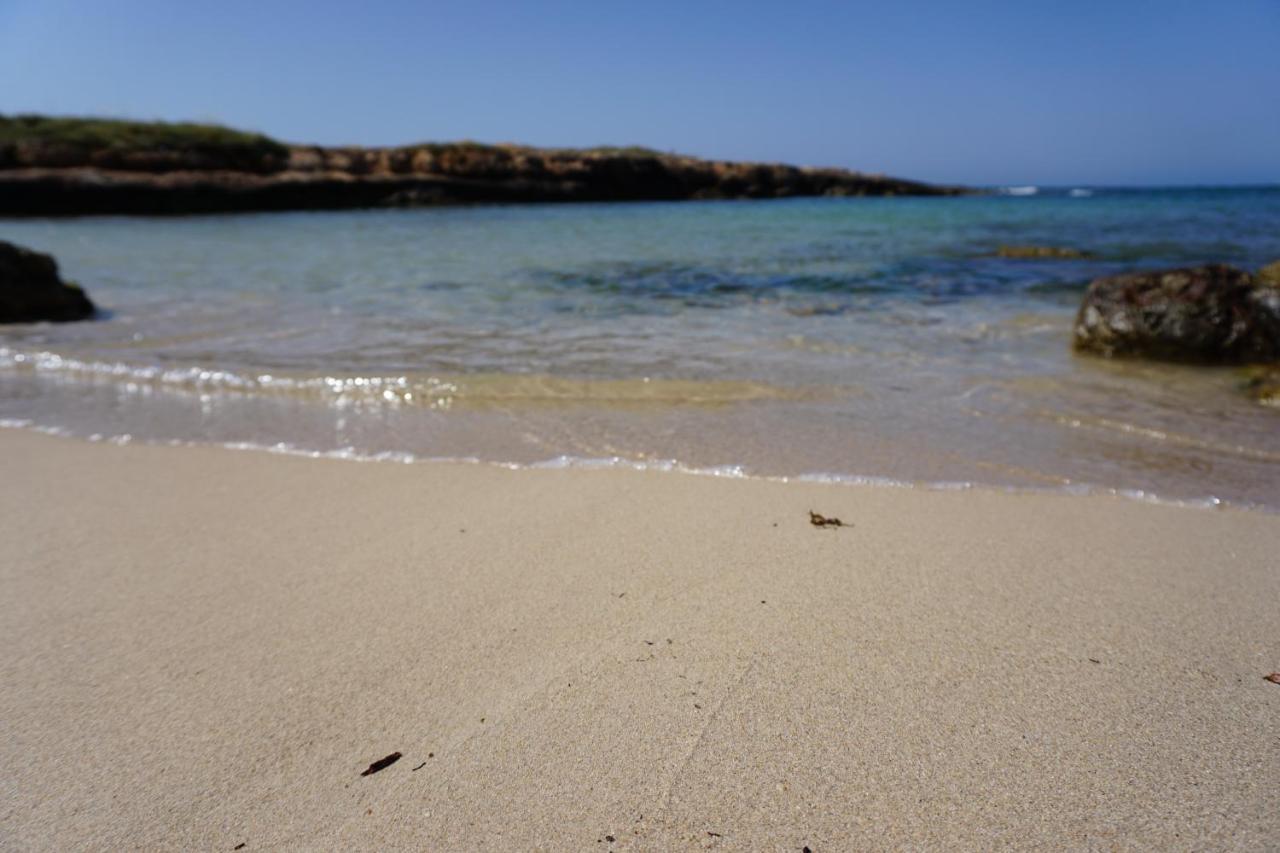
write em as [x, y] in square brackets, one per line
[658, 466]
[207, 649]
[804, 337]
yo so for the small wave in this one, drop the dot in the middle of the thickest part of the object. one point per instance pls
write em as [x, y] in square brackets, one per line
[1080, 192]
[435, 392]
[613, 463]
[347, 454]
[1163, 436]
[1019, 191]
[735, 472]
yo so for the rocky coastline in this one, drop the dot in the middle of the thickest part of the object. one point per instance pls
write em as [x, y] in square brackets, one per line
[46, 170]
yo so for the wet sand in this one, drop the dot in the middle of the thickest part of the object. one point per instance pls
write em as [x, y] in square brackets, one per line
[205, 648]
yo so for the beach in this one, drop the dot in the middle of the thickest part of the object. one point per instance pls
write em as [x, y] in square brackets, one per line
[205, 648]
[512, 428]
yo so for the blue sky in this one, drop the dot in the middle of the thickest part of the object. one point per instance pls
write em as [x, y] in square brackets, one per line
[1090, 91]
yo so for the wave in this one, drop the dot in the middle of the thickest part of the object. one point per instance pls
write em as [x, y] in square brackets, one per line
[668, 466]
[1019, 191]
[429, 391]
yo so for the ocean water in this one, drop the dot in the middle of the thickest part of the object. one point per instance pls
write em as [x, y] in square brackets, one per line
[861, 339]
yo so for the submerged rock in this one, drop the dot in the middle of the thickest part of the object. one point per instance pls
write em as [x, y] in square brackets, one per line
[1213, 314]
[1058, 252]
[31, 289]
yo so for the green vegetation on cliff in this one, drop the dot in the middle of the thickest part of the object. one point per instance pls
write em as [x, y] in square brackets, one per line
[99, 133]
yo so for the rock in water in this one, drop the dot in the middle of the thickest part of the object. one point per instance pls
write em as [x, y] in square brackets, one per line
[1213, 314]
[31, 290]
[1042, 252]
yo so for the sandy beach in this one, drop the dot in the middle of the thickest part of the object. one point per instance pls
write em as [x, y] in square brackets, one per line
[204, 649]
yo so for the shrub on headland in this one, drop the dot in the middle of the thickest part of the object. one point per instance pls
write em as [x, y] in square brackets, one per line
[32, 141]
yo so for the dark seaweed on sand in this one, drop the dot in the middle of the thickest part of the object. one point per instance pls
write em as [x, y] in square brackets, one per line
[381, 764]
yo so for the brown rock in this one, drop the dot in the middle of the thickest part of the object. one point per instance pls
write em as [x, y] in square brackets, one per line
[1270, 274]
[1264, 386]
[423, 161]
[306, 159]
[1037, 252]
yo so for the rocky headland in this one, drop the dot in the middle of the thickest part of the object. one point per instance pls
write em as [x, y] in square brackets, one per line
[63, 166]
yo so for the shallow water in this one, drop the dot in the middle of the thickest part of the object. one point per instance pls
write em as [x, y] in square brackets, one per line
[863, 338]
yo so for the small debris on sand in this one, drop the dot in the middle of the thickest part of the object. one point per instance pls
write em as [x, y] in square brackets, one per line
[822, 521]
[381, 764]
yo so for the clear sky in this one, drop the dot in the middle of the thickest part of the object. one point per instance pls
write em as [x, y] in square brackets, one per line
[1026, 91]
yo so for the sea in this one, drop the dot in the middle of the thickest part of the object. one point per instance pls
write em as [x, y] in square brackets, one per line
[852, 340]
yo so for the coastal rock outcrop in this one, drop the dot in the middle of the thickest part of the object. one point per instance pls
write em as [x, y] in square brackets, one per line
[32, 290]
[1213, 314]
[55, 166]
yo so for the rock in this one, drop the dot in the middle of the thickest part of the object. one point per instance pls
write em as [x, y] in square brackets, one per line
[1264, 386]
[1046, 252]
[1270, 274]
[71, 166]
[1213, 314]
[31, 290]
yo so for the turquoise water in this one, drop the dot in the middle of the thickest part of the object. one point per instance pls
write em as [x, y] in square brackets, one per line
[862, 338]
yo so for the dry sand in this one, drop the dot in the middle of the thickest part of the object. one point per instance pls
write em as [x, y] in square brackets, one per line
[204, 648]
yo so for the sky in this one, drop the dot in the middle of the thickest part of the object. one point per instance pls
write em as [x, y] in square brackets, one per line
[1044, 92]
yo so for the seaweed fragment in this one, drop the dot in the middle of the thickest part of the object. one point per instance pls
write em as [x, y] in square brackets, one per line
[818, 520]
[381, 764]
